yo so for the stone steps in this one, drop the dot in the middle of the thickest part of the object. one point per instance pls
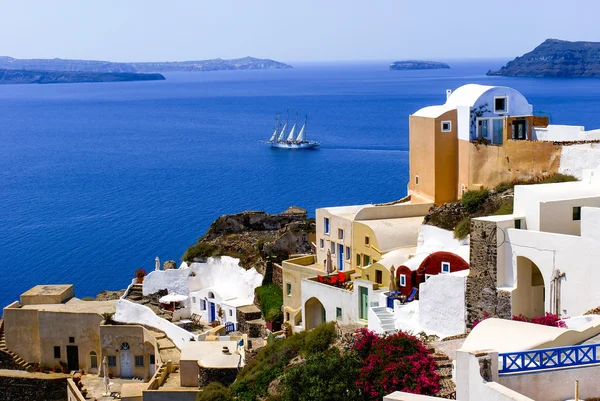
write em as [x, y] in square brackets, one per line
[165, 343]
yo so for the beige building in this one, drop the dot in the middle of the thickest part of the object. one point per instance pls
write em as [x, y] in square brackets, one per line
[481, 136]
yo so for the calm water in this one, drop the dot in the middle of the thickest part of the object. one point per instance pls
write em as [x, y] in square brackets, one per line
[96, 180]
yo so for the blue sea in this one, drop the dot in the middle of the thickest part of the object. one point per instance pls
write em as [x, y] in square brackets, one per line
[96, 180]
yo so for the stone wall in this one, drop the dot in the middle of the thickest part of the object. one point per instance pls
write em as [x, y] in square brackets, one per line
[244, 316]
[25, 386]
[7, 362]
[223, 376]
[482, 296]
[277, 277]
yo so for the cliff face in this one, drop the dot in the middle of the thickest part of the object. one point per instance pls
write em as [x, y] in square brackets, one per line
[556, 58]
[417, 65]
[61, 77]
[57, 64]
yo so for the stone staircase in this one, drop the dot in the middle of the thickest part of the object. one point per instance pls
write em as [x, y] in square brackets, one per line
[135, 293]
[167, 350]
[18, 362]
[444, 370]
[386, 318]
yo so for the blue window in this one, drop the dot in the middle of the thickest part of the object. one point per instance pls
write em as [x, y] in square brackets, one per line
[322, 243]
[445, 267]
[202, 304]
[403, 280]
[348, 253]
[340, 233]
[326, 225]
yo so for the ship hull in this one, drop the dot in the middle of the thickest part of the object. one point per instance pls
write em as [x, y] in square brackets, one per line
[292, 145]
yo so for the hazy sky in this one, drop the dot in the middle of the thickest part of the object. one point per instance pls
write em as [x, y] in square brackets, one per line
[311, 30]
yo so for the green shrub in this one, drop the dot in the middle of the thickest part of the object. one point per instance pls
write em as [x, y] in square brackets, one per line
[215, 392]
[261, 243]
[506, 207]
[88, 299]
[270, 298]
[463, 228]
[199, 250]
[473, 200]
[551, 179]
[503, 186]
[319, 339]
[324, 376]
[554, 178]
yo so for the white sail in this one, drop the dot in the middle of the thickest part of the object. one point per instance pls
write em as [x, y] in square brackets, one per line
[292, 133]
[302, 135]
[274, 136]
[282, 133]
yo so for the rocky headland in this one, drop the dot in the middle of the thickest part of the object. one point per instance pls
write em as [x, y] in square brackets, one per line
[417, 65]
[63, 77]
[57, 64]
[556, 59]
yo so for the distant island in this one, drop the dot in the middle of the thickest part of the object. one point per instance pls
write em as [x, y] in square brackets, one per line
[557, 59]
[417, 65]
[57, 64]
[63, 77]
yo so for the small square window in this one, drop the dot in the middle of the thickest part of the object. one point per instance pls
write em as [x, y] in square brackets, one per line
[194, 299]
[139, 360]
[230, 312]
[358, 259]
[348, 253]
[287, 316]
[326, 225]
[202, 304]
[366, 260]
[463, 189]
[288, 289]
[57, 352]
[577, 213]
[446, 126]
[152, 360]
[518, 224]
[445, 267]
[500, 105]
[338, 313]
[112, 360]
[403, 280]
[71, 340]
[367, 240]
[378, 276]
[416, 180]
[333, 248]
[322, 243]
[340, 233]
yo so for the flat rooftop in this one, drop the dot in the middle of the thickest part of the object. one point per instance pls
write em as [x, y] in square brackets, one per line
[559, 191]
[76, 305]
[210, 354]
[396, 232]
[54, 289]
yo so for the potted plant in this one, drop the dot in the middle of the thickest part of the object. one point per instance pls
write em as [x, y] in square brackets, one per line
[64, 367]
[139, 274]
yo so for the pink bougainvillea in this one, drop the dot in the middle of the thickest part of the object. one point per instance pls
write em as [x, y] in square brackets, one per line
[395, 362]
[549, 319]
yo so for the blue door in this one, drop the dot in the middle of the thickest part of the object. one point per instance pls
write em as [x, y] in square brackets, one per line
[212, 312]
[340, 257]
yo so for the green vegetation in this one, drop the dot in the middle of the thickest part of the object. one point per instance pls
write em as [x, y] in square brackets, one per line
[215, 391]
[551, 179]
[199, 250]
[473, 200]
[506, 207]
[463, 228]
[324, 376]
[270, 362]
[270, 298]
[88, 299]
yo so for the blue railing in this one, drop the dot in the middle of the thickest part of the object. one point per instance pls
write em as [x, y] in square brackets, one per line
[229, 327]
[390, 302]
[549, 358]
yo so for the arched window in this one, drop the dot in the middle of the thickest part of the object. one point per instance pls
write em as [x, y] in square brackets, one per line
[125, 347]
[93, 360]
[211, 295]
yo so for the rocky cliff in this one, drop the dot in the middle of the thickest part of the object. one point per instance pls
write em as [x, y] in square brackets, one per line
[417, 65]
[557, 59]
[57, 64]
[61, 77]
[256, 237]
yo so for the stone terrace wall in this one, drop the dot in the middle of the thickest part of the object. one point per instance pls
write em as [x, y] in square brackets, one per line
[223, 376]
[482, 295]
[243, 317]
[7, 362]
[25, 386]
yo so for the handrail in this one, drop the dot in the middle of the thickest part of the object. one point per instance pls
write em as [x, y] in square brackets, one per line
[548, 358]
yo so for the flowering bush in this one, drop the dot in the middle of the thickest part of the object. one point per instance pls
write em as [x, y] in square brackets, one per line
[549, 319]
[395, 362]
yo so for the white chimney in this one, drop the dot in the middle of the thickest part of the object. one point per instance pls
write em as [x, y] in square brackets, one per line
[448, 93]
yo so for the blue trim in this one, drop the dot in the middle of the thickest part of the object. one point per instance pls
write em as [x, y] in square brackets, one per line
[229, 327]
[390, 301]
[549, 358]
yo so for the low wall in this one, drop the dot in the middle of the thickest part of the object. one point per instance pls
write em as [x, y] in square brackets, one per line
[73, 393]
[24, 386]
[130, 312]
[555, 384]
[171, 395]
[401, 396]
[442, 307]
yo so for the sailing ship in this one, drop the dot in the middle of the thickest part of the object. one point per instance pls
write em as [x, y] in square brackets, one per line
[289, 140]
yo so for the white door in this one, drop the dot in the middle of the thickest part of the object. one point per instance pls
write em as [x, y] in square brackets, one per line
[126, 368]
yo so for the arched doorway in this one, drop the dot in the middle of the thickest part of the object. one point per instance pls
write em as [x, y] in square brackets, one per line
[315, 313]
[528, 298]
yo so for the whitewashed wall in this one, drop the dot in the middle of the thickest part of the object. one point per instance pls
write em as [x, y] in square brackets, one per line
[575, 158]
[442, 305]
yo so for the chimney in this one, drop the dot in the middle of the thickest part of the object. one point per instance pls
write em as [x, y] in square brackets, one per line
[448, 93]
[226, 350]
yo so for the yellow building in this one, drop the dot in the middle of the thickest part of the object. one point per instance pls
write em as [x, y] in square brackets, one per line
[481, 136]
